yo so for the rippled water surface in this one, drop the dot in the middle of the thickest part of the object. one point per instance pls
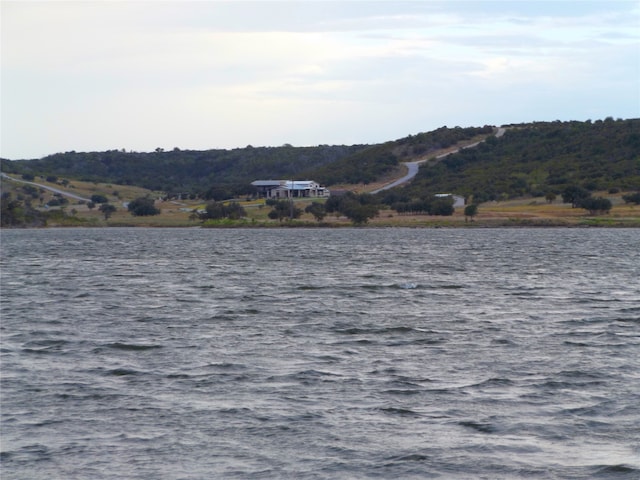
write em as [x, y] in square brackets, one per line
[348, 353]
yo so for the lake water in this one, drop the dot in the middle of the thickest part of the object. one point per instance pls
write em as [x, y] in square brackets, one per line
[320, 353]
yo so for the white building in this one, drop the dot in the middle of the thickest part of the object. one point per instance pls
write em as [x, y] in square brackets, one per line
[290, 188]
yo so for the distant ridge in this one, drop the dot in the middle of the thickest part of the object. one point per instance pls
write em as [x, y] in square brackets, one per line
[530, 159]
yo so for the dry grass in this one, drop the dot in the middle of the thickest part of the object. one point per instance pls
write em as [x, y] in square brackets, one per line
[518, 212]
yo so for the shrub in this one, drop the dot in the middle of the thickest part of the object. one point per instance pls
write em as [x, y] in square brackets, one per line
[142, 206]
[596, 205]
[96, 198]
[632, 198]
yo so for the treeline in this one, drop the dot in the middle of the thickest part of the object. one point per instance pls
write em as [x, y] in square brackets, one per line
[538, 159]
[212, 174]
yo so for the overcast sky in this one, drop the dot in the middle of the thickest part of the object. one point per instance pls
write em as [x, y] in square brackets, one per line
[101, 75]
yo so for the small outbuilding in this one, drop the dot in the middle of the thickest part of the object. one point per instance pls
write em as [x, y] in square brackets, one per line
[458, 201]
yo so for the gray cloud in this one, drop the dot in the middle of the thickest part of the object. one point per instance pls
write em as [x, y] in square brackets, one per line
[138, 75]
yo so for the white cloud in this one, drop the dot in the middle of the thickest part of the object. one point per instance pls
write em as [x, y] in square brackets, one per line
[138, 75]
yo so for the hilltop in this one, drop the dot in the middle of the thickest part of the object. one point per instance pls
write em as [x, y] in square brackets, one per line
[530, 164]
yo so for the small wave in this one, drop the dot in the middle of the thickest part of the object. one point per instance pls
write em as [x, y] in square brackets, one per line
[309, 287]
[493, 382]
[311, 373]
[393, 286]
[619, 471]
[131, 346]
[379, 330]
[483, 427]
[46, 346]
[122, 372]
[40, 351]
[402, 392]
[627, 320]
[28, 452]
[229, 366]
[47, 342]
[242, 411]
[403, 412]
[419, 341]
[579, 374]
[576, 344]
[411, 457]
[630, 309]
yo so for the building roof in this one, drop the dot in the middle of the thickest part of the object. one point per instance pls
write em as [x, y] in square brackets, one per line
[448, 195]
[287, 184]
[267, 183]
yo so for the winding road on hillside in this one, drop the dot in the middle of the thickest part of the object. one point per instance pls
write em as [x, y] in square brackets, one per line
[46, 187]
[412, 167]
[412, 170]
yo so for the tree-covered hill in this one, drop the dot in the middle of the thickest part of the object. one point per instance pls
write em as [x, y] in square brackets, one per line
[220, 173]
[183, 170]
[530, 159]
[369, 164]
[537, 159]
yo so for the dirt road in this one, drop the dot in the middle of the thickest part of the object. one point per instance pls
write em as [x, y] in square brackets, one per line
[46, 187]
[412, 167]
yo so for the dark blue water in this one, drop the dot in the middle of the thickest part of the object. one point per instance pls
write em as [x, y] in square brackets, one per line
[313, 354]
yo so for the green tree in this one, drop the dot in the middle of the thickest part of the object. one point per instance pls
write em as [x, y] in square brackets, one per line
[360, 214]
[97, 198]
[596, 205]
[357, 208]
[550, 197]
[470, 211]
[284, 209]
[142, 206]
[57, 201]
[574, 195]
[442, 206]
[107, 210]
[217, 210]
[235, 211]
[317, 210]
[632, 198]
[332, 205]
[213, 211]
[14, 213]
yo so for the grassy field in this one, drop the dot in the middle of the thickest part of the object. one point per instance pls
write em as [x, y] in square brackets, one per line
[176, 213]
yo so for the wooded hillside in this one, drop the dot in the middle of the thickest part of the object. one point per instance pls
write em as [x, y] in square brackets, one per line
[530, 159]
[539, 158]
[208, 173]
[368, 165]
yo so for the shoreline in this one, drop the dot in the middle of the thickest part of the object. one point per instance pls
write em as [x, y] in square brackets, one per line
[498, 223]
